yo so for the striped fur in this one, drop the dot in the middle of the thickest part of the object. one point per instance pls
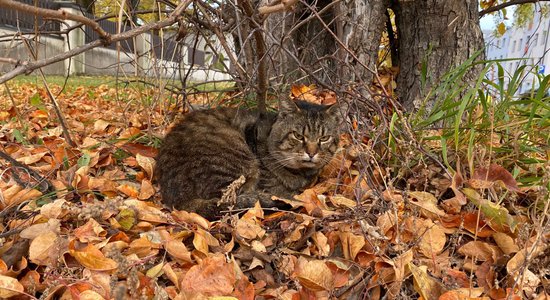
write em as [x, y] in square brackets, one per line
[279, 154]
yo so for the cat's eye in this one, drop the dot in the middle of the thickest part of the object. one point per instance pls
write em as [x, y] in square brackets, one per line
[325, 138]
[297, 136]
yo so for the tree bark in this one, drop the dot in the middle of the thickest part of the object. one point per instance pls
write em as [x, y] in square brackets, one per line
[361, 30]
[334, 41]
[434, 36]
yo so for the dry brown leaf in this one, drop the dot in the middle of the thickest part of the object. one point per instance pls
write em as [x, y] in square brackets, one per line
[480, 250]
[146, 163]
[129, 189]
[54, 209]
[33, 231]
[182, 216]
[213, 276]
[92, 231]
[433, 240]
[487, 177]
[178, 251]
[249, 229]
[314, 275]
[351, 244]
[100, 126]
[505, 243]
[424, 284]
[45, 249]
[9, 287]
[427, 202]
[147, 211]
[147, 190]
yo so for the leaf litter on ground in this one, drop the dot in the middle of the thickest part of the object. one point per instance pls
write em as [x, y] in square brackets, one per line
[104, 233]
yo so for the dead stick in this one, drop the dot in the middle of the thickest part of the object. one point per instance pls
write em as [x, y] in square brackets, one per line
[41, 180]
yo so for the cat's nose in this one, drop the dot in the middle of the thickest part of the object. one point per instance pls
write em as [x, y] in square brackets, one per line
[309, 156]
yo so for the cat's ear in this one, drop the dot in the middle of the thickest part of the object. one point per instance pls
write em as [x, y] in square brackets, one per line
[338, 111]
[287, 106]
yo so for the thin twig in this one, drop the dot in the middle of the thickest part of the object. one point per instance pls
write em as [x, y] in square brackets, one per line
[506, 4]
[41, 180]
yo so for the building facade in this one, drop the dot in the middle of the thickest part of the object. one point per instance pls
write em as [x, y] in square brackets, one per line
[527, 46]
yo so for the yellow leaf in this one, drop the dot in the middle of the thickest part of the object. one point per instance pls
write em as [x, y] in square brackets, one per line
[424, 284]
[501, 28]
[155, 271]
[92, 258]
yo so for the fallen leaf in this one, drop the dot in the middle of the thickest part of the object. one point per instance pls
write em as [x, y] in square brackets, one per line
[487, 177]
[10, 287]
[314, 275]
[146, 163]
[432, 240]
[213, 276]
[426, 201]
[92, 258]
[424, 284]
[45, 249]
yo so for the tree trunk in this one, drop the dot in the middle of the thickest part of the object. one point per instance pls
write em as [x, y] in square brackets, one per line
[361, 29]
[325, 42]
[434, 36]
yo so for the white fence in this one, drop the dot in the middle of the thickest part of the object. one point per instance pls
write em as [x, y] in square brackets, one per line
[144, 55]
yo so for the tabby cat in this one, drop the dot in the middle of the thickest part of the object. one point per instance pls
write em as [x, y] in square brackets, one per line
[278, 154]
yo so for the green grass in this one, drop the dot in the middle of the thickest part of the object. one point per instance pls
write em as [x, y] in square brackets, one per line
[480, 124]
[73, 82]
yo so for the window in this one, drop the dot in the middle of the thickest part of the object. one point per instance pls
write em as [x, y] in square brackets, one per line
[536, 39]
[520, 44]
[498, 43]
[503, 42]
[514, 46]
[544, 36]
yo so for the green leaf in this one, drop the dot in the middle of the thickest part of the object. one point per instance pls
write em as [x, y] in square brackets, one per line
[494, 213]
[84, 160]
[126, 218]
[37, 102]
[19, 137]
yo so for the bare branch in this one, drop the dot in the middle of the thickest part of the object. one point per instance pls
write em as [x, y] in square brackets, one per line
[9, 60]
[506, 4]
[55, 14]
[28, 66]
[282, 6]
[261, 54]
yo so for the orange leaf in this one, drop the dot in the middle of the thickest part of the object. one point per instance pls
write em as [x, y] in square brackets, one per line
[146, 190]
[92, 258]
[213, 276]
[129, 189]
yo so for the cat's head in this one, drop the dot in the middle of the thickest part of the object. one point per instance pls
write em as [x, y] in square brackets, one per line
[305, 135]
